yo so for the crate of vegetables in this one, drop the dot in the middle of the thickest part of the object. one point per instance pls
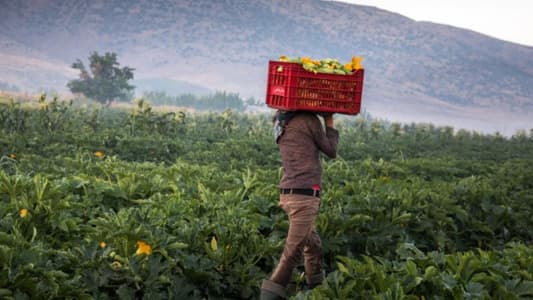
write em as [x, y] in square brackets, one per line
[313, 85]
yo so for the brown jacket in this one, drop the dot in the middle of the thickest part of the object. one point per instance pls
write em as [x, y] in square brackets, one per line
[300, 145]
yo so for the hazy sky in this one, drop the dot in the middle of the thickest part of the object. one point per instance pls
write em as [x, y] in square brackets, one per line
[510, 20]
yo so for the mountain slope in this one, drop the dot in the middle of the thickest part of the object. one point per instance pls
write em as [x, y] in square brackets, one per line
[413, 69]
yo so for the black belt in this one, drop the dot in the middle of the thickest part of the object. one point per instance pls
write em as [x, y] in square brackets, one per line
[308, 192]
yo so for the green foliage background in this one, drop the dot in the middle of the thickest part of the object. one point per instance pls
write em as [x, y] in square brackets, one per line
[409, 211]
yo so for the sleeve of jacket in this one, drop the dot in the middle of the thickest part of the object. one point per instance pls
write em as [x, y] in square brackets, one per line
[326, 140]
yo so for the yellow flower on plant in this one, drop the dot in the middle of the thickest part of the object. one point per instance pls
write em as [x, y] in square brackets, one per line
[143, 248]
[103, 245]
[13, 156]
[23, 213]
[214, 244]
[99, 154]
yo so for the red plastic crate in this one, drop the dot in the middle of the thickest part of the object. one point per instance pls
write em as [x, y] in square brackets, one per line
[291, 87]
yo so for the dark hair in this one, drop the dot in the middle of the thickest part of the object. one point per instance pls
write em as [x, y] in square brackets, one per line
[283, 117]
[275, 116]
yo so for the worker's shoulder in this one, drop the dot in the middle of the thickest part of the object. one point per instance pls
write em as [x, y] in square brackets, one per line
[306, 116]
[304, 122]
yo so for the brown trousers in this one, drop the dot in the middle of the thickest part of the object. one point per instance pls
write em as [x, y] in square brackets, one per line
[302, 238]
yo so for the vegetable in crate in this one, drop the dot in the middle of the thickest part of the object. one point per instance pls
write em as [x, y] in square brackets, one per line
[326, 65]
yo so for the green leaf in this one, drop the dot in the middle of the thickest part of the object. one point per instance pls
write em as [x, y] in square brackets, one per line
[5, 292]
[475, 289]
[430, 273]
[342, 268]
[177, 245]
[524, 288]
[125, 293]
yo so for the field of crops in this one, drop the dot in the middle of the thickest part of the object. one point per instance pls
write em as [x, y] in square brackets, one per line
[99, 203]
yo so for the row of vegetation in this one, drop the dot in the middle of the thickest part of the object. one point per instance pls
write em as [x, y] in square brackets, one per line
[218, 101]
[100, 203]
[4, 86]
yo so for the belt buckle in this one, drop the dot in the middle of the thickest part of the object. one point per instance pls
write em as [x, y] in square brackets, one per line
[316, 190]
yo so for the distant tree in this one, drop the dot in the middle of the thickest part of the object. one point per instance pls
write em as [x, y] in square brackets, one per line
[105, 82]
[251, 101]
[4, 86]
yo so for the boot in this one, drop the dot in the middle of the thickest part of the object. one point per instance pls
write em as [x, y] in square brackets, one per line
[272, 291]
[314, 280]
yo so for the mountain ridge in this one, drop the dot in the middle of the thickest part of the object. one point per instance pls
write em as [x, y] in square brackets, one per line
[410, 66]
